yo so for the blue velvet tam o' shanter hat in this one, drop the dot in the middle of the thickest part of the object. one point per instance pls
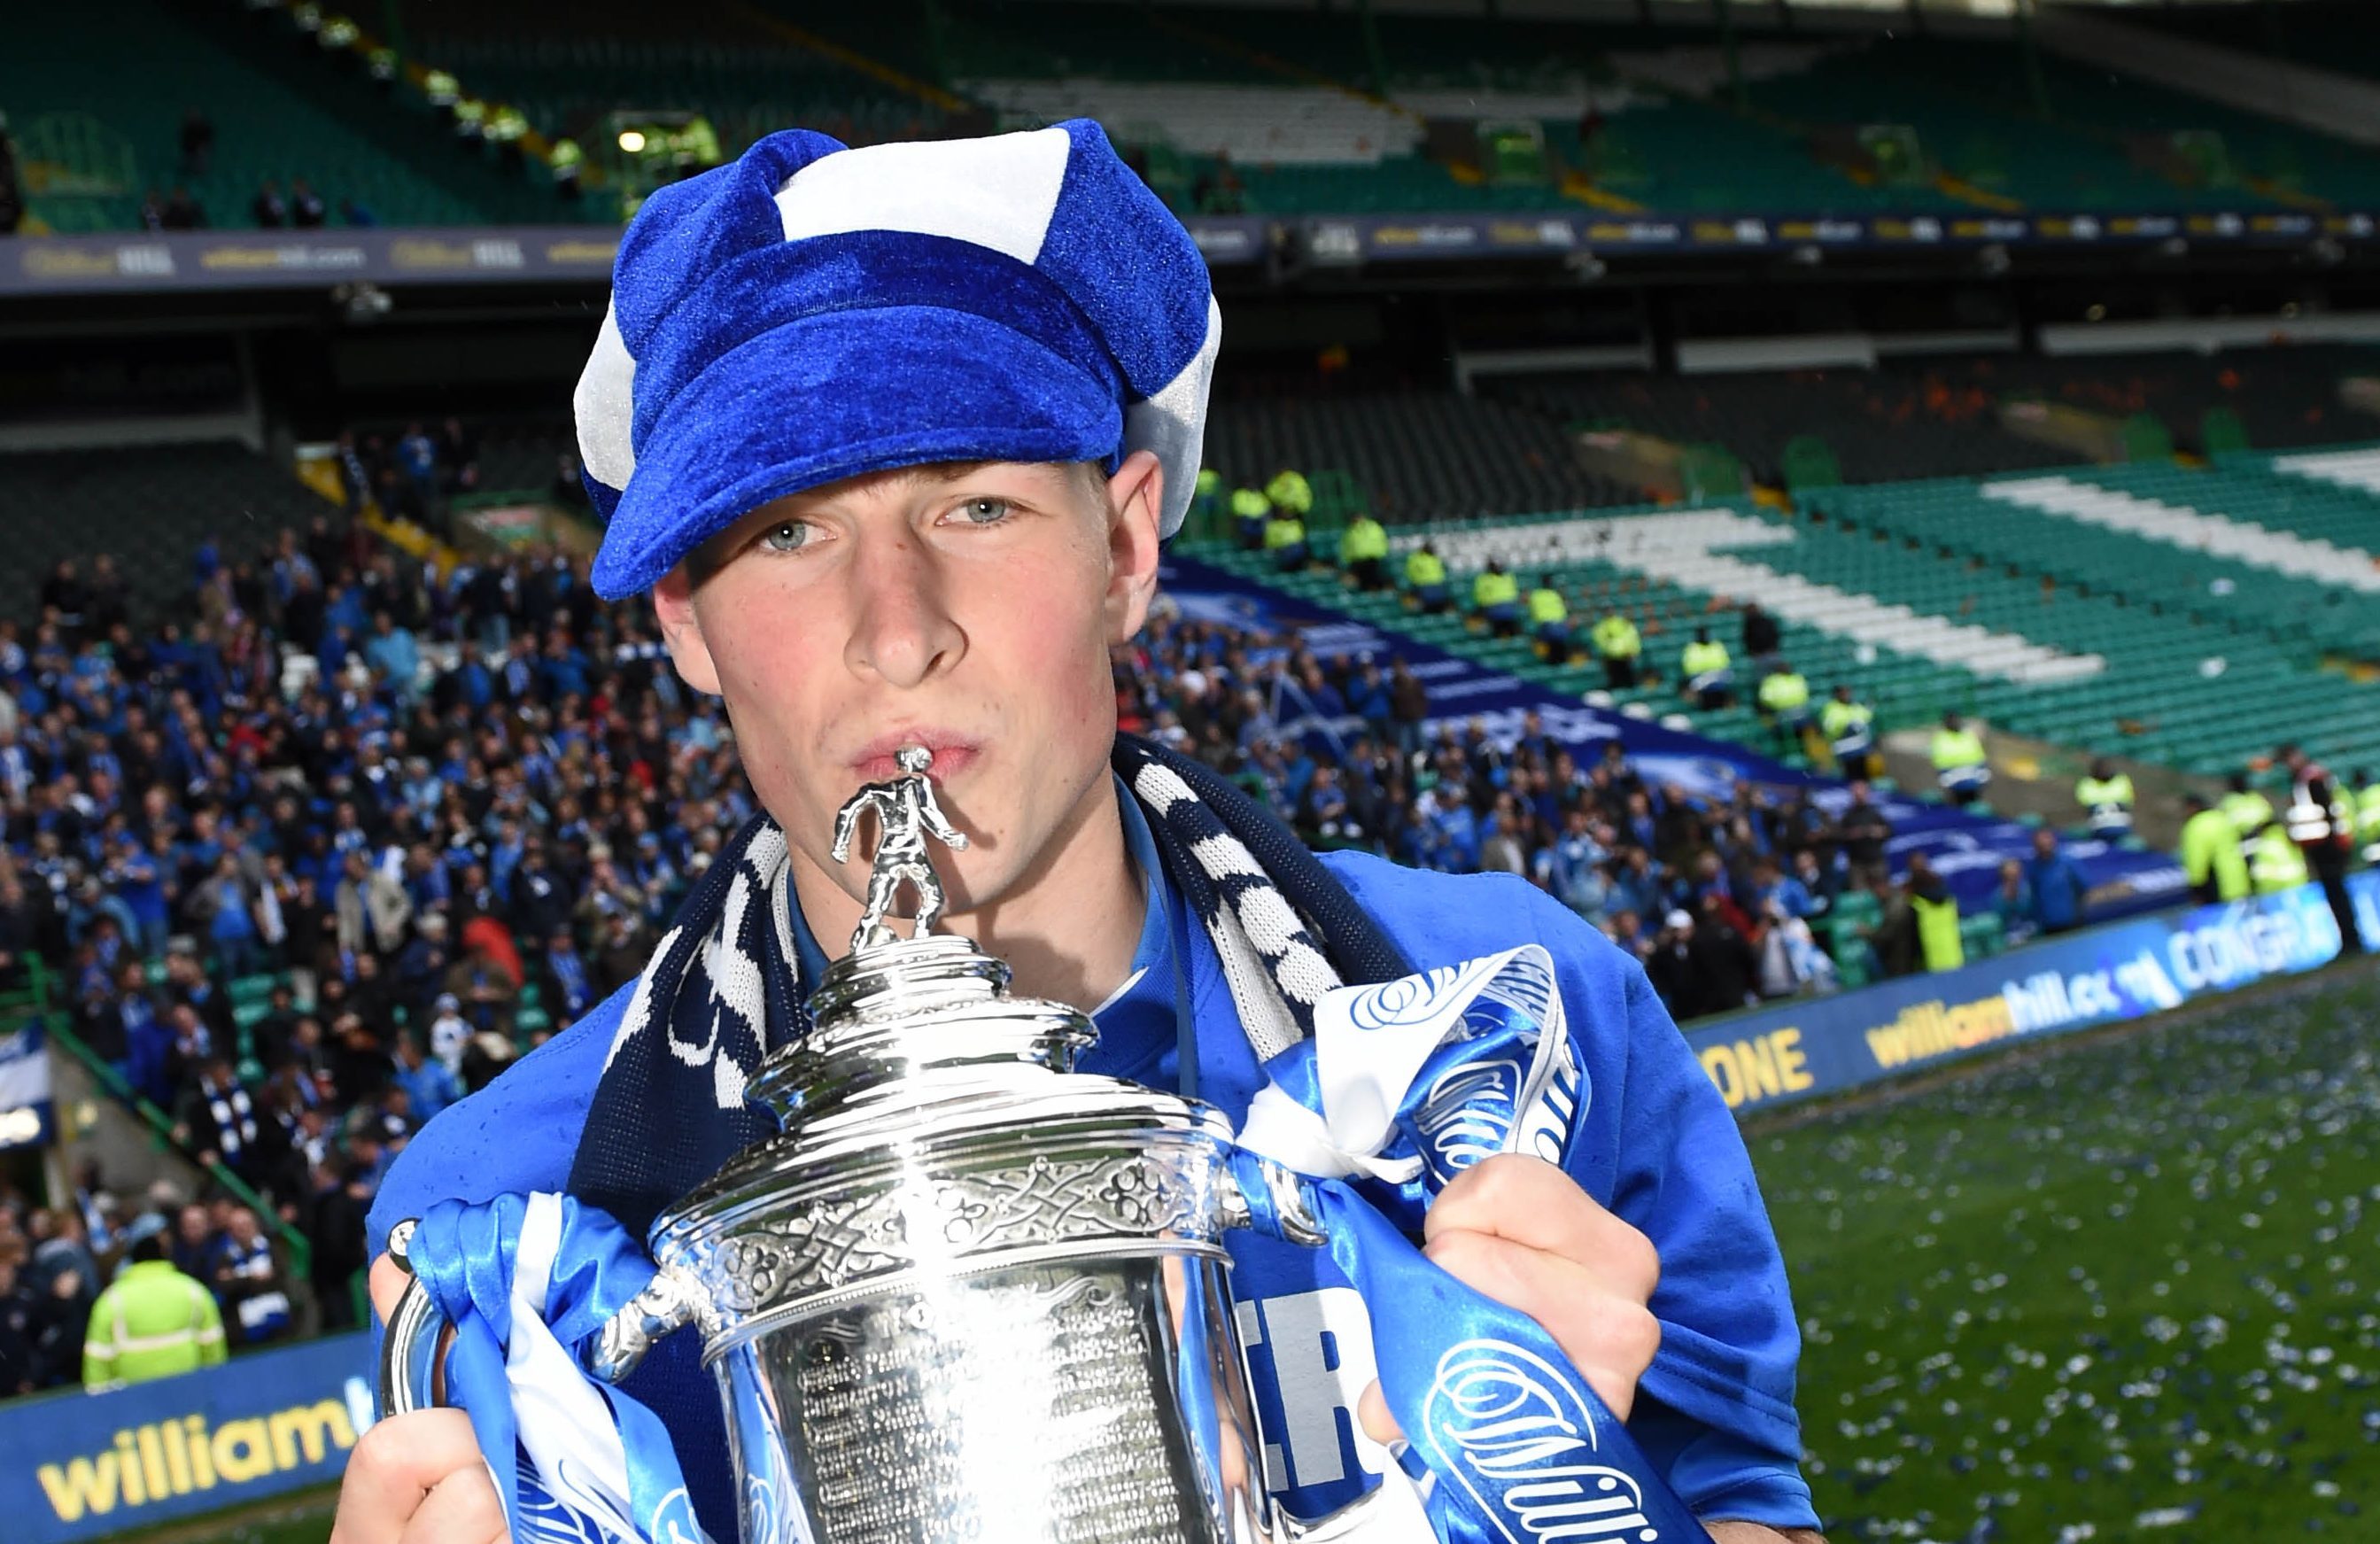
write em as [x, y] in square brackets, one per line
[808, 312]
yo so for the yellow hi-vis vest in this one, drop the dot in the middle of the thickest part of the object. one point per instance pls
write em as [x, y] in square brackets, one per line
[2250, 813]
[1546, 606]
[1938, 932]
[2210, 848]
[1616, 637]
[1424, 568]
[1957, 748]
[154, 1322]
[1494, 590]
[1248, 504]
[1786, 693]
[2367, 821]
[1363, 538]
[2107, 801]
[1706, 666]
[1291, 492]
[2274, 862]
[1284, 530]
[1849, 726]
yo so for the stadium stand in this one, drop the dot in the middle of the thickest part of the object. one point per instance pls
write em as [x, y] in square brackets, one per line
[1945, 417]
[2203, 698]
[386, 103]
[739, 68]
[1224, 112]
[1627, 116]
[1934, 596]
[2270, 399]
[1674, 571]
[2104, 140]
[1960, 118]
[2237, 546]
[2242, 530]
[1877, 425]
[1417, 454]
[147, 510]
[2331, 34]
[99, 129]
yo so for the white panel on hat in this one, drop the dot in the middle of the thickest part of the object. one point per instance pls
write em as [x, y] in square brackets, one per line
[1173, 422]
[998, 192]
[605, 405]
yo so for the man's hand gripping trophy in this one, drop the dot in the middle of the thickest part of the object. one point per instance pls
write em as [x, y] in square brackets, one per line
[906, 813]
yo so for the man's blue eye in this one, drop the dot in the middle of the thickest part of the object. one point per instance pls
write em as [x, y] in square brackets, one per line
[786, 538]
[985, 512]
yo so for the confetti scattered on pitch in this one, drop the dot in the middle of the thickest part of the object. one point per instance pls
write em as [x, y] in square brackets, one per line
[2122, 1292]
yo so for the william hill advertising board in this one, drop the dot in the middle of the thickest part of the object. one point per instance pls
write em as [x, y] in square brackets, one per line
[1825, 1045]
[83, 1466]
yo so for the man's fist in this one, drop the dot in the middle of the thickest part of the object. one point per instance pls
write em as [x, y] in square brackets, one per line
[416, 1479]
[1515, 1228]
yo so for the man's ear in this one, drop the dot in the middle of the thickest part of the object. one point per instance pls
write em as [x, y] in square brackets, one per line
[682, 630]
[1135, 503]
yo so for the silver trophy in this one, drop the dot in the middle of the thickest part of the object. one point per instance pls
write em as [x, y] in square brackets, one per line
[965, 1292]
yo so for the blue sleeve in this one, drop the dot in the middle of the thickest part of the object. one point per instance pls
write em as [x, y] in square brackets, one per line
[519, 1133]
[1720, 1389]
[1656, 1145]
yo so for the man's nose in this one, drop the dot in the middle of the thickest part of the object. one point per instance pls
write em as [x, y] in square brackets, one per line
[903, 630]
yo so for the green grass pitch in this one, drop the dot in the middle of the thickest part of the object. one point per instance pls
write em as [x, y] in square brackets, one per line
[2125, 1292]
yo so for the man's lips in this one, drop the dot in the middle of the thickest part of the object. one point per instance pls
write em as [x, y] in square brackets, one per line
[952, 754]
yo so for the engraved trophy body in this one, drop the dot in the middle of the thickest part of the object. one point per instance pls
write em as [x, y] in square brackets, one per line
[965, 1292]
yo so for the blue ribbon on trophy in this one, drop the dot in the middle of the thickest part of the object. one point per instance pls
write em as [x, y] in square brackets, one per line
[528, 1283]
[1403, 1084]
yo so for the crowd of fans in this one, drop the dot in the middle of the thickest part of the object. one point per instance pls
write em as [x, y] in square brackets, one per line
[417, 474]
[1717, 898]
[408, 798]
[295, 207]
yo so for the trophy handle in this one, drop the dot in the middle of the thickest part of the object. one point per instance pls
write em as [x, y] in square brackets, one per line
[409, 1353]
[409, 1357]
[670, 1302]
[1272, 1199]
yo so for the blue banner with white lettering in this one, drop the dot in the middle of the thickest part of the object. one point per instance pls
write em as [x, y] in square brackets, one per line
[83, 1466]
[1824, 1045]
[25, 1119]
[1966, 850]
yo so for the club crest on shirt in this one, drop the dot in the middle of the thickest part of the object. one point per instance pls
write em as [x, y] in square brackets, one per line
[1516, 1433]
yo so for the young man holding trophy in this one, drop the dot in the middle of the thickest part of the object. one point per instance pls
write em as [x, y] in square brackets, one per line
[893, 435]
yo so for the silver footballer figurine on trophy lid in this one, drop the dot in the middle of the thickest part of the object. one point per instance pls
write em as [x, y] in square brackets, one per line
[965, 1292]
